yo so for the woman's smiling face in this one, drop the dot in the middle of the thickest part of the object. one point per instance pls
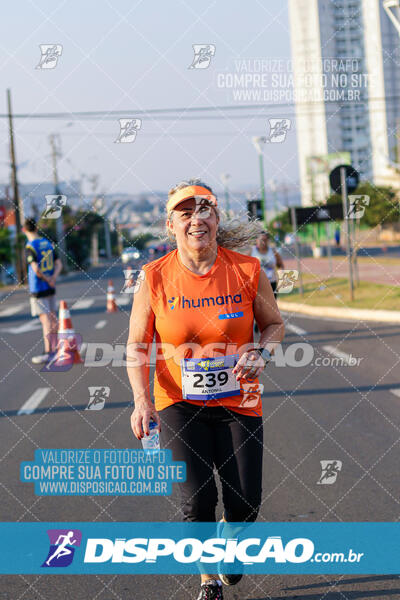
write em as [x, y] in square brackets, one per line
[194, 224]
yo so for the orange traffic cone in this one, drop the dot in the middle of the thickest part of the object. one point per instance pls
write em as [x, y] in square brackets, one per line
[67, 350]
[111, 304]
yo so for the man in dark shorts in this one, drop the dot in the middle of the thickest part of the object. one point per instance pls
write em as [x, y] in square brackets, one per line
[44, 266]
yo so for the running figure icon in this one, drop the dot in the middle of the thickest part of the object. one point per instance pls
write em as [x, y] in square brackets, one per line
[62, 549]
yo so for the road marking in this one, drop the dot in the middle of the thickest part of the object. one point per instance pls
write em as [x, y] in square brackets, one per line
[100, 324]
[82, 304]
[124, 300]
[318, 317]
[396, 392]
[295, 329]
[33, 402]
[153, 355]
[11, 310]
[83, 348]
[348, 358]
[91, 298]
[30, 326]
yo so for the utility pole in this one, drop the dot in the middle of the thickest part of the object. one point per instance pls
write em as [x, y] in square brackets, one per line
[55, 153]
[349, 250]
[19, 263]
[398, 140]
[100, 207]
[297, 248]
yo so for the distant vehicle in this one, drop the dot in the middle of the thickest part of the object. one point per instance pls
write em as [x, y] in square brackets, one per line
[289, 239]
[129, 254]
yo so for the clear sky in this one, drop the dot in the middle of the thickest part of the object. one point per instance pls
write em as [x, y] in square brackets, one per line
[134, 55]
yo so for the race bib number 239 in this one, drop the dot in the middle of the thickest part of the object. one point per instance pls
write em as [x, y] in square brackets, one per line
[209, 378]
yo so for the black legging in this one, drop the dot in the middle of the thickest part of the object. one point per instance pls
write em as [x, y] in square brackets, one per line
[207, 436]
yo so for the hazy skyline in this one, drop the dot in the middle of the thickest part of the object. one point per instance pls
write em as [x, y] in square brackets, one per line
[119, 56]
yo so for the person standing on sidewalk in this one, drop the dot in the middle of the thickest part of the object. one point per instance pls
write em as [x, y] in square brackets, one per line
[44, 266]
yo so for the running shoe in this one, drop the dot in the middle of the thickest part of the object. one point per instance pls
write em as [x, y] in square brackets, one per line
[41, 359]
[210, 590]
[227, 578]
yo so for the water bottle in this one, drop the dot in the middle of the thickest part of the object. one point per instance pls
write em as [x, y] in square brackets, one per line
[151, 442]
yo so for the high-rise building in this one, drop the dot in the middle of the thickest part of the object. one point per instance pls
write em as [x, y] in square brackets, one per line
[346, 72]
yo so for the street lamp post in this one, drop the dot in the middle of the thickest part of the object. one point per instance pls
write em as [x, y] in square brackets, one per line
[19, 261]
[392, 9]
[257, 141]
[273, 187]
[394, 15]
[225, 178]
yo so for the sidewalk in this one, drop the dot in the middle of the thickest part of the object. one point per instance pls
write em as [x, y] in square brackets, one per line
[335, 312]
[371, 271]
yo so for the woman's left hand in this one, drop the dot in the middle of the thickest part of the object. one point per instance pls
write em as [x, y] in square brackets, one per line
[249, 366]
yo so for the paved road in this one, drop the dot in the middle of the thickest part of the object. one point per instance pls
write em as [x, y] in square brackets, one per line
[311, 413]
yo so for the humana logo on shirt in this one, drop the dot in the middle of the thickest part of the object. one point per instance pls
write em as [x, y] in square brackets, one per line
[205, 302]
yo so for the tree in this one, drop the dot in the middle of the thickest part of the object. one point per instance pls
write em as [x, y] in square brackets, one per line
[139, 241]
[383, 205]
[78, 229]
[5, 246]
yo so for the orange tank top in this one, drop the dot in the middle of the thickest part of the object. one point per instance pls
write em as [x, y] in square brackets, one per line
[203, 316]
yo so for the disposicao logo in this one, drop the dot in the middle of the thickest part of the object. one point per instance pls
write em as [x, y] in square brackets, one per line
[190, 550]
[62, 547]
[173, 302]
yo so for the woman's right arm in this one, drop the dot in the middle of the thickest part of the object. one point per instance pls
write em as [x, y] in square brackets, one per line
[140, 339]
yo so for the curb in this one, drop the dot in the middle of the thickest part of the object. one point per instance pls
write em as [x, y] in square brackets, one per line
[352, 314]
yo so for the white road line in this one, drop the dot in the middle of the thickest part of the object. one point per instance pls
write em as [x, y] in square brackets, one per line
[319, 318]
[83, 349]
[124, 300]
[33, 402]
[396, 392]
[103, 297]
[11, 310]
[153, 355]
[295, 329]
[24, 328]
[82, 304]
[100, 324]
[348, 358]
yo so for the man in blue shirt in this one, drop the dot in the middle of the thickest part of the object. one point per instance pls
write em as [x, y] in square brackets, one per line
[44, 266]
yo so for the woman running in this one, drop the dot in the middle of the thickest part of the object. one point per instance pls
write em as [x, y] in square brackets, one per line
[201, 300]
[269, 258]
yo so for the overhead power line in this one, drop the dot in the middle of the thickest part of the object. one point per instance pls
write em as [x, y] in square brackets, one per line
[171, 113]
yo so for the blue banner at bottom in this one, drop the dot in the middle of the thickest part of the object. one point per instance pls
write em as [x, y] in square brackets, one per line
[184, 548]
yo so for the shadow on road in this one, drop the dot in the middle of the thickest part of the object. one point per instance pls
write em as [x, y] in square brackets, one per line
[352, 581]
[357, 595]
[340, 595]
[269, 394]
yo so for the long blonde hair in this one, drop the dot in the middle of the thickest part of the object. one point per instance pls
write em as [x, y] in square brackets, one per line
[232, 233]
